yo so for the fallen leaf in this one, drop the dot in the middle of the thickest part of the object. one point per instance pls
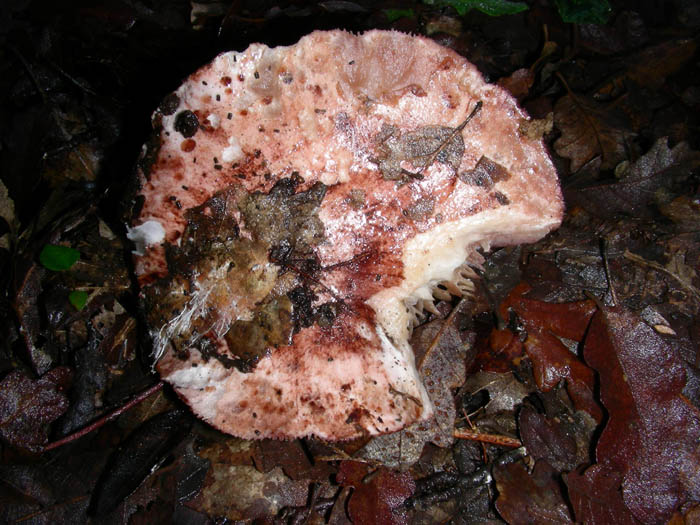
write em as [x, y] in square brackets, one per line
[378, 496]
[548, 439]
[499, 352]
[27, 406]
[649, 444]
[143, 451]
[234, 489]
[535, 498]
[292, 458]
[651, 66]
[441, 353]
[519, 82]
[588, 130]
[545, 323]
[596, 498]
[660, 167]
[7, 212]
[505, 391]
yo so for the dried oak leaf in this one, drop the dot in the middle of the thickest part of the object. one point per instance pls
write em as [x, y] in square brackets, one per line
[530, 498]
[589, 130]
[27, 406]
[377, 496]
[545, 324]
[650, 442]
[660, 167]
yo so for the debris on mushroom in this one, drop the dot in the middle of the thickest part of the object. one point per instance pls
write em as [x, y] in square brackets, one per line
[300, 209]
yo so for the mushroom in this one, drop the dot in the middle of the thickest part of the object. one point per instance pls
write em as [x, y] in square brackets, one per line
[299, 210]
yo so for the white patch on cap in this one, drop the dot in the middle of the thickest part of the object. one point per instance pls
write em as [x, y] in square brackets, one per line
[214, 120]
[144, 235]
[233, 152]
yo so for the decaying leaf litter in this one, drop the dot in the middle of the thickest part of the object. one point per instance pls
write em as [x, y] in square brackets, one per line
[617, 103]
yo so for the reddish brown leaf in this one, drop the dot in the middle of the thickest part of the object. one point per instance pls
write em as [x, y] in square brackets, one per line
[596, 498]
[650, 440]
[518, 83]
[377, 496]
[530, 498]
[498, 352]
[351, 473]
[552, 360]
[568, 320]
[27, 406]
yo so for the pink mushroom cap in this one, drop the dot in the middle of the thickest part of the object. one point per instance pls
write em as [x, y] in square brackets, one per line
[299, 210]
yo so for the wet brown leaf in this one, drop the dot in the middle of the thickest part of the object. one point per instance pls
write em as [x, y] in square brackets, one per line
[291, 456]
[549, 439]
[589, 130]
[634, 194]
[544, 324]
[28, 406]
[518, 83]
[648, 449]
[378, 496]
[530, 498]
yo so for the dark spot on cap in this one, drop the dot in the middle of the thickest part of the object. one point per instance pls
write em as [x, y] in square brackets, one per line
[501, 198]
[187, 145]
[186, 123]
[169, 104]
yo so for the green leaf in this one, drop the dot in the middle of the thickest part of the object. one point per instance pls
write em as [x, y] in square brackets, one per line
[58, 258]
[395, 14]
[78, 298]
[583, 11]
[490, 7]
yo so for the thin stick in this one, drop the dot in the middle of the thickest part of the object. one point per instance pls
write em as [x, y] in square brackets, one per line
[493, 439]
[106, 418]
[606, 266]
[434, 155]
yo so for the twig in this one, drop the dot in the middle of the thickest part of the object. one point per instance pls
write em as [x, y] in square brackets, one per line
[105, 419]
[493, 439]
[434, 155]
[606, 266]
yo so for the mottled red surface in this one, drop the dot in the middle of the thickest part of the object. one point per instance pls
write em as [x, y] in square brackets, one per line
[318, 109]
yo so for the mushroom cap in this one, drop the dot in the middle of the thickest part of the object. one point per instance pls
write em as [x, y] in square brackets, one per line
[297, 208]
